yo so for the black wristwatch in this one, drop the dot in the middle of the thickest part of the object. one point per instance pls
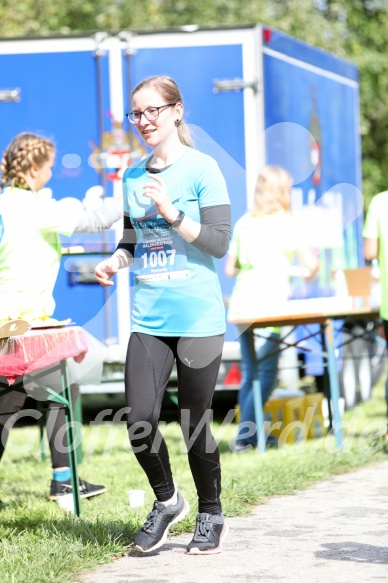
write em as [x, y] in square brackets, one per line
[178, 220]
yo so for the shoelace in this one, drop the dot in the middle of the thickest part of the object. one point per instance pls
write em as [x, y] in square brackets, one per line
[82, 486]
[204, 527]
[151, 519]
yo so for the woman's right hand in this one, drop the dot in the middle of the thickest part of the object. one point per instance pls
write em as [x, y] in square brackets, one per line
[105, 270]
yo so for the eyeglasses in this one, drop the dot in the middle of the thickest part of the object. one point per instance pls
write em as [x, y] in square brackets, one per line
[150, 113]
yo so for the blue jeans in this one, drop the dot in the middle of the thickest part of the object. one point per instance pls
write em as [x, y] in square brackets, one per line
[267, 370]
[386, 399]
[385, 323]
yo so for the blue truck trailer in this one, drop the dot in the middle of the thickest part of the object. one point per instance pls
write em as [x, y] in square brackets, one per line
[253, 96]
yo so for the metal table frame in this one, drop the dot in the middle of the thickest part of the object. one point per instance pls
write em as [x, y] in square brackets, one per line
[326, 333]
[65, 399]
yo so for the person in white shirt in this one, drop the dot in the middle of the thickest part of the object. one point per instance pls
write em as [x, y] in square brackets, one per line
[30, 254]
[263, 243]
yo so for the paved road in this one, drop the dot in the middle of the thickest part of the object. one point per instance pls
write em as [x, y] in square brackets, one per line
[337, 531]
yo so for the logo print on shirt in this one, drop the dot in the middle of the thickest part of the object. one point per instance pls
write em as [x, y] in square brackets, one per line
[143, 205]
[150, 207]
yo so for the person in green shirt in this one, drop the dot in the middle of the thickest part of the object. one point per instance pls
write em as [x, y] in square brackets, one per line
[375, 235]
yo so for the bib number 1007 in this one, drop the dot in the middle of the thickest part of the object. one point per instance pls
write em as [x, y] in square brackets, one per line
[159, 258]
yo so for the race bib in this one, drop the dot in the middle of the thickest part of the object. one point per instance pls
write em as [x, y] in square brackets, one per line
[161, 253]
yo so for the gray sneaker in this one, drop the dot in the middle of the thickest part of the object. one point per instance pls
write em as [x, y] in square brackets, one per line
[210, 531]
[154, 531]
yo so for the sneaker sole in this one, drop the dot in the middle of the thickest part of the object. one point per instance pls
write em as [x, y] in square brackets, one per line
[184, 512]
[197, 551]
[88, 495]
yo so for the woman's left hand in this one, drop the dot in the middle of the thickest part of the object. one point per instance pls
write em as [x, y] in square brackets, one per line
[157, 191]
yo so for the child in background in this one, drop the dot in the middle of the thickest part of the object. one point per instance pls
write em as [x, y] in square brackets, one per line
[30, 255]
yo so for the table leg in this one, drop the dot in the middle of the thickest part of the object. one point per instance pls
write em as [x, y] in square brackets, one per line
[334, 383]
[42, 448]
[71, 435]
[257, 399]
[326, 376]
[78, 419]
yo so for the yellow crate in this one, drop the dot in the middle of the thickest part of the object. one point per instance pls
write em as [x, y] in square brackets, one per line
[289, 414]
[313, 415]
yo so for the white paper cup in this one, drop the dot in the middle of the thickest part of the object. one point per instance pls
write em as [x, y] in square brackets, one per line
[136, 498]
[66, 502]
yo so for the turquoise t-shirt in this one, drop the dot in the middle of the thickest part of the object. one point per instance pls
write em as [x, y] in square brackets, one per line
[176, 286]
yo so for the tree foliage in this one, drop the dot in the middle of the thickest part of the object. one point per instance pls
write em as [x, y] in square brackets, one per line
[355, 29]
[365, 34]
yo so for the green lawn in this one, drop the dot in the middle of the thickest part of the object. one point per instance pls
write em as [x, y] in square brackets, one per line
[42, 543]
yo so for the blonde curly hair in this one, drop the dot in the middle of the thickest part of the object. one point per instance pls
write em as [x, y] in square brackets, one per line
[24, 151]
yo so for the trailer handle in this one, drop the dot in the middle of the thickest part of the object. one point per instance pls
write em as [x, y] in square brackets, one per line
[10, 95]
[225, 85]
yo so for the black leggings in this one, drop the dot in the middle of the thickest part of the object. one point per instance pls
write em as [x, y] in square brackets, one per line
[11, 402]
[149, 364]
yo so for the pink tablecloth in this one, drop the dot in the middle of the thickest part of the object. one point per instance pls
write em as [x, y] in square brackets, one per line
[37, 349]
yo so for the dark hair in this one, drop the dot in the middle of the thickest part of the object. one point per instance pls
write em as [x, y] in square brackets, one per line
[167, 87]
[24, 151]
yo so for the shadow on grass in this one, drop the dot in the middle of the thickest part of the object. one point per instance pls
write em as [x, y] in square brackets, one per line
[71, 528]
[225, 447]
